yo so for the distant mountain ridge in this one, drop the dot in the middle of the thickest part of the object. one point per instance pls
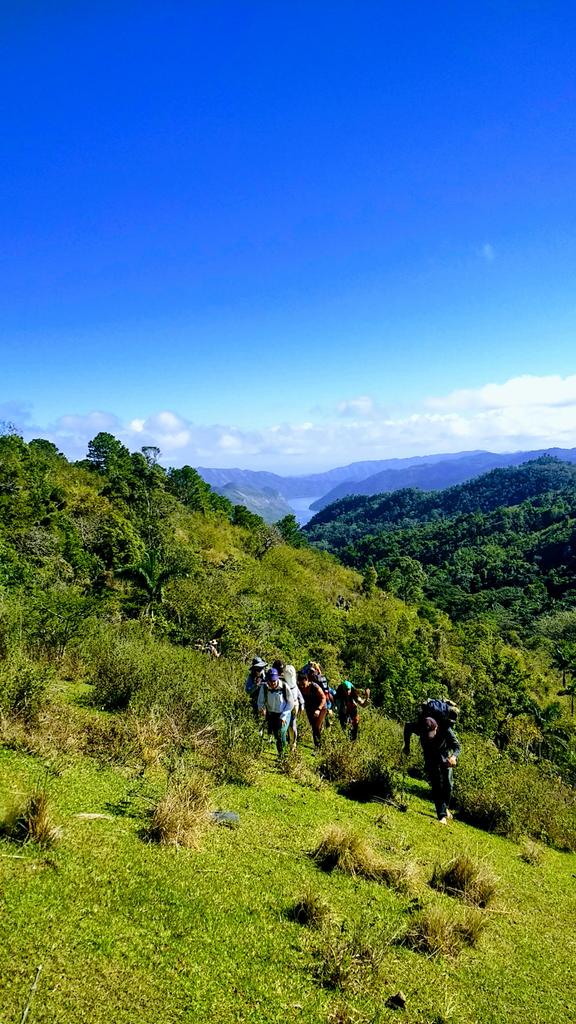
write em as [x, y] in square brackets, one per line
[310, 484]
[502, 545]
[438, 475]
[355, 516]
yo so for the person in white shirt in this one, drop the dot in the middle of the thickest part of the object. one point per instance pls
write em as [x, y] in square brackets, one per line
[288, 674]
[276, 702]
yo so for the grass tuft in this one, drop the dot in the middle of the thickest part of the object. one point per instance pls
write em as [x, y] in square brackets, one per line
[531, 852]
[342, 960]
[310, 910]
[344, 1015]
[435, 930]
[237, 766]
[347, 851]
[182, 815]
[466, 878]
[32, 822]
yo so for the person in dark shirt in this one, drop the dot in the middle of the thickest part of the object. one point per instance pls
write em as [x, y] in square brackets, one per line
[314, 703]
[348, 699]
[441, 749]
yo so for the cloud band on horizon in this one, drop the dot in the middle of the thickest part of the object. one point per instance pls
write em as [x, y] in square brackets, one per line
[523, 412]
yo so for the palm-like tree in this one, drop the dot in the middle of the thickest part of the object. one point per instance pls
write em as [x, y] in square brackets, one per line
[564, 658]
[150, 575]
[553, 736]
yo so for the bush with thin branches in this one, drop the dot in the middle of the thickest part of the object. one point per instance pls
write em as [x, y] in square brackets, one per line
[365, 770]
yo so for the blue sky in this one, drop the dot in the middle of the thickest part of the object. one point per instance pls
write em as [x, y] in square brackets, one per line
[289, 235]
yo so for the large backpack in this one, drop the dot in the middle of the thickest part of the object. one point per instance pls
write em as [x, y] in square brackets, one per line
[282, 691]
[445, 712]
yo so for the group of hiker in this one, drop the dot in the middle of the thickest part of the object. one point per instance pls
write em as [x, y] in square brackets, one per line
[279, 694]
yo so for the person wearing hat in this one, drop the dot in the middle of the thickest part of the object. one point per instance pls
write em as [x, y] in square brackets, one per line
[441, 749]
[288, 674]
[276, 702]
[348, 699]
[254, 681]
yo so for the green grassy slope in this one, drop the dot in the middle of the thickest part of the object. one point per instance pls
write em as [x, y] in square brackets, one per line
[129, 932]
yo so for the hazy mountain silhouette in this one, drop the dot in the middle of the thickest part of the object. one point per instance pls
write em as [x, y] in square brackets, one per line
[438, 475]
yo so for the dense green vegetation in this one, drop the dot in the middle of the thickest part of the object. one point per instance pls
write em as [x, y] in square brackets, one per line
[117, 555]
[501, 548]
[113, 574]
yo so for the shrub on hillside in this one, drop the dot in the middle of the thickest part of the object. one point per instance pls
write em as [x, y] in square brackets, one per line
[23, 686]
[119, 664]
[182, 815]
[31, 821]
[237, 749]
[366, 769]
[513, 799]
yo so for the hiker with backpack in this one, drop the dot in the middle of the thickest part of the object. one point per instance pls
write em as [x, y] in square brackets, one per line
[288, 674]
[254, 681]
[276, 702]
[348, 699]
[314, 702]
[440, 747]
[330, 694]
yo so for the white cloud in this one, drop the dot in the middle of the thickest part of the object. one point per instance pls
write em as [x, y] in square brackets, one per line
[361, 406]
[488, 253]
[524, 412]
[94, 421]
[518, 392]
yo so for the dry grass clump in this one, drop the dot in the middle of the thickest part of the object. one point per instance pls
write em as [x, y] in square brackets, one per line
[435, 930]
[465, 878]
[154, 737]
[531, 852]
[401, 877]
[182, 815]
[343, 959]
[310, 910]
[349, 852]
[32, 822]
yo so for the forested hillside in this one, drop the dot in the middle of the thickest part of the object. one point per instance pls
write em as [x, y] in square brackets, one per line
[116, 544]
[438, 473]
[500, 548]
